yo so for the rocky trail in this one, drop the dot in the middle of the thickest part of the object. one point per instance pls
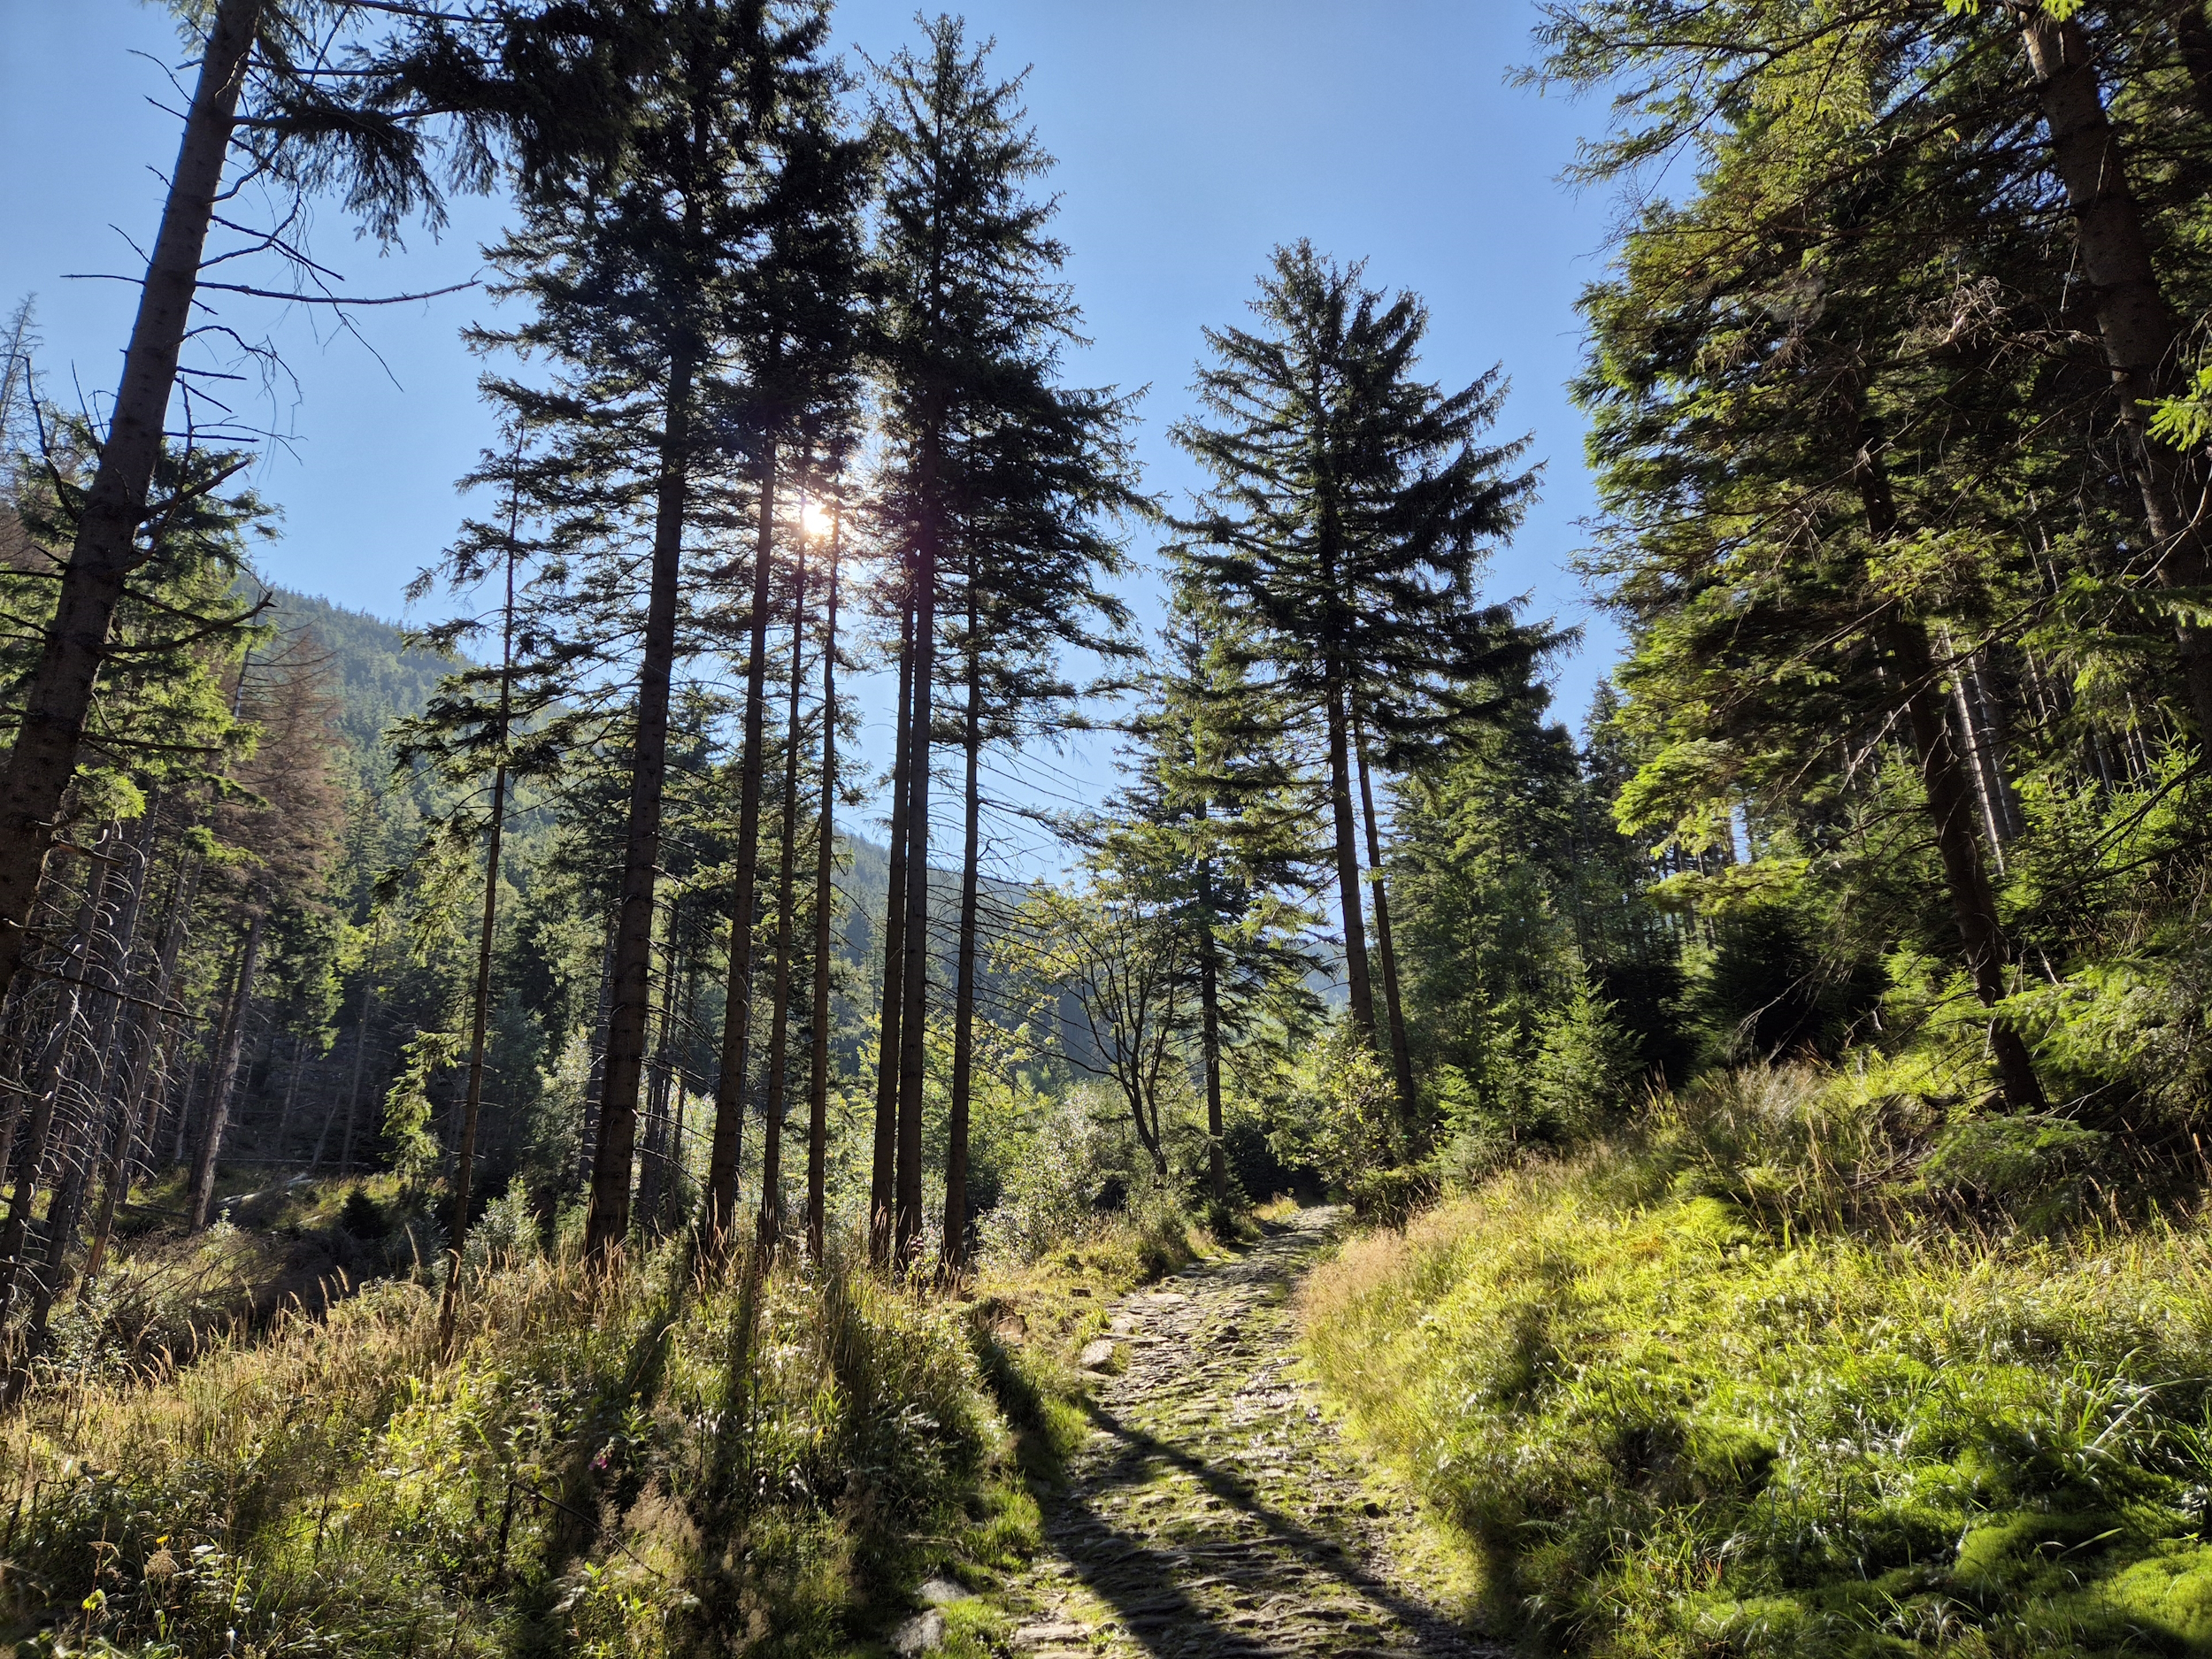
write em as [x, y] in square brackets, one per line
[1213, 1511]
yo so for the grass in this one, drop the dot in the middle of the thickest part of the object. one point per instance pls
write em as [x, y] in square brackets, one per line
[648, 1465]
[1032, 1319]
[1706, 1392]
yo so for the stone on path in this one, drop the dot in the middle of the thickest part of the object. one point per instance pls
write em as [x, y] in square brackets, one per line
[1212, 1513]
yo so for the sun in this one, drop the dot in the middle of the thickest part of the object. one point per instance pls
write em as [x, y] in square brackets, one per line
[816, 520]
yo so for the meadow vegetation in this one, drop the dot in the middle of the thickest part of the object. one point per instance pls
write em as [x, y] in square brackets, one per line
[1794, 1365]
[648, 1462]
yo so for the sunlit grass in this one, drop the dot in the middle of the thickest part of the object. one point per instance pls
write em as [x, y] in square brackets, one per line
[1691, 1395]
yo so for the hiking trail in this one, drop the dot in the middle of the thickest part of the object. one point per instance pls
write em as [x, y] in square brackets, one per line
[1213, 1510]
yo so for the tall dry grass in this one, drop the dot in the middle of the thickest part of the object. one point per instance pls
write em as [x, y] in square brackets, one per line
[637, 1463]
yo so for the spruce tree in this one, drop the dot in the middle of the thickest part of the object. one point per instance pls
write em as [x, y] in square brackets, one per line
[1218, 822]
[365, 113]
[644, 284]
[984, 454]
[797, 342]
[1351, 510]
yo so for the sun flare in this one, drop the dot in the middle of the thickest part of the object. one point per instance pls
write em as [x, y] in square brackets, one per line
[816, 518]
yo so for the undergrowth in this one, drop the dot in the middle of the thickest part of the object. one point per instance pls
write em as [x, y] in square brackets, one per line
[1756, 1379]
[645, 1466]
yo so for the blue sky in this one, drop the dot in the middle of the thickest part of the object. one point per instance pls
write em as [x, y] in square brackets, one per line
[1192, 137]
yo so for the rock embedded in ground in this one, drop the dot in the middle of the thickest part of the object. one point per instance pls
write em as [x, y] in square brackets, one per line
[1211, 1513]
[941, 1593]
[922, 1634]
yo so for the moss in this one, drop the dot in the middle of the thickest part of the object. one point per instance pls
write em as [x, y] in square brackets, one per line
[2167, 1595]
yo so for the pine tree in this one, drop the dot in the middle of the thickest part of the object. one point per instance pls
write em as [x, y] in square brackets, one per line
[986, 457]
[1350, 513]
[1218, 824]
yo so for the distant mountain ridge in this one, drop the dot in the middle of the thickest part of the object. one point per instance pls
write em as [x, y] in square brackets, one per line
[380, 678]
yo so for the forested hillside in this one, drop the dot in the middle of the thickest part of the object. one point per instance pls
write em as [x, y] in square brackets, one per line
[499, 1158]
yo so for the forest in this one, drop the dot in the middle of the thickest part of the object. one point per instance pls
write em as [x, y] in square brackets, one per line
[520, 1133]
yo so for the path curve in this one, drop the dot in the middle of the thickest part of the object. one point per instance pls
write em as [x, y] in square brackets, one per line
[1213, 1511]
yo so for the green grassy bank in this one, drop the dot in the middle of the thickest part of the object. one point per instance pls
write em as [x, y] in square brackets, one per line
[1754, 1381]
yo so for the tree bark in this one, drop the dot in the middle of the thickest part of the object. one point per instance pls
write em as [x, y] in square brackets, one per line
[824, 893]
[607, 1222]
[226, 1050]
[1357, 984]
[1401, 1052]
[1951, 808]
[480, 1025]
[360, 1051]
[2139, 327]
[771, 1212]
[106, 551]
[953, 1249]
[728, 1143]
[480, 1028]
[914, 977]
[154, 1029]
[30, 1164]
[882, 1177]
[1209, 1039]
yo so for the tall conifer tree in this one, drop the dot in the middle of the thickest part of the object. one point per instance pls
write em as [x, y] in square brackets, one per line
[972, 316]
[1351, 512]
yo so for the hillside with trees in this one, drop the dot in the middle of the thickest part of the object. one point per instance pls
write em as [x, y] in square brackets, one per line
[536, 1130]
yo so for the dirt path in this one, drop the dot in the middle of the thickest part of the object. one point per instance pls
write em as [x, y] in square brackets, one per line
[1212, 1511]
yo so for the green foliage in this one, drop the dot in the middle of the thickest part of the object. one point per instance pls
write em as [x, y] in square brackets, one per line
[617, 1469]
[1581, 1069]
[1678, 1407]
[409, 1109]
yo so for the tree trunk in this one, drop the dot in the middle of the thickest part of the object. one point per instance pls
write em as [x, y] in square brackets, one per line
[2139, 327]
[106, 550]
[720, 1210]
[1362, 995]
[607, 1222]
[786, 877]
[882, 1175]
[457, 1231]
[824, 873]
[480, 1023]
[30, 1163]
[226, 1050]
[156, 1032]
[360, 1052]
[954, 1245]
[153, 1033]
[1951, 808]
[1401, 1052]
[1209, 1039]
[914, 977]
